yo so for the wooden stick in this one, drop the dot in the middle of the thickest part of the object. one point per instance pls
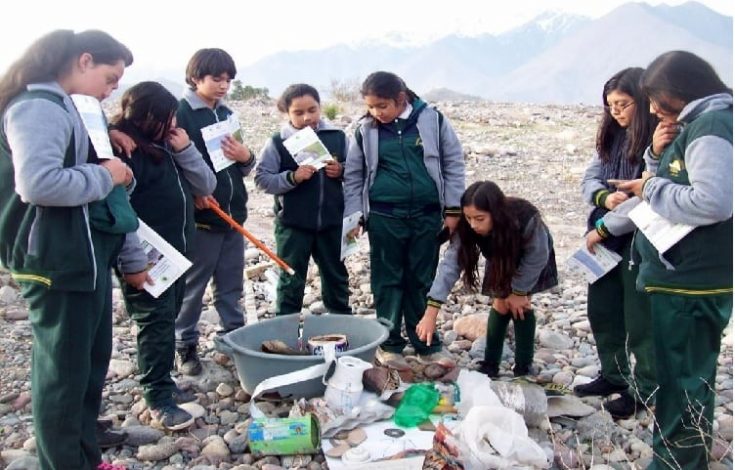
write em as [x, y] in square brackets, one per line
[223, 215]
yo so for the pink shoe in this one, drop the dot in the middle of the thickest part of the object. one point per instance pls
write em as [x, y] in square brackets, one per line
[109, 466]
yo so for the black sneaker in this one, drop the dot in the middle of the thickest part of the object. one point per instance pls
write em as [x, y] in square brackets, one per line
[600, 386]
[187, 360]
[623, 407]
[491, 369]
[108, 437]
[171, 417]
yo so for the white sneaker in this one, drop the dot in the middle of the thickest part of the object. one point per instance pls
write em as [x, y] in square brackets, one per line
[441, 357]
[391, 359]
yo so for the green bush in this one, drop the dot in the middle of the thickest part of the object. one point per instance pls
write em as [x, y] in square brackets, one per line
[247, 92]
[330, 110]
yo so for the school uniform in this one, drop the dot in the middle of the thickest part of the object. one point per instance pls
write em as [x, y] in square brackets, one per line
[163, 199]
[217, 251]
[60, 233]
[404, 176]
[691, 283]
[619, 315]
[536, 271]
[308, 220]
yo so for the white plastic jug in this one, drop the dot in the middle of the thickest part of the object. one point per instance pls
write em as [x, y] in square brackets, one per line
[345, 385]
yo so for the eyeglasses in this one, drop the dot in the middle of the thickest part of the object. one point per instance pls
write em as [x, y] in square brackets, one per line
[619, 107]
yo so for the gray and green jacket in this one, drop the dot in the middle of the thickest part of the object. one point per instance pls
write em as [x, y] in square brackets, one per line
[48, 185]
[693, 185]
[595, 190]
[443, 159]
[536, 269]
[314, 204]
[163, 194]
[192, 116]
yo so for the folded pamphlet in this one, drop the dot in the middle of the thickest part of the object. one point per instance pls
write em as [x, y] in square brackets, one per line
[96, 124]
[213, 136]
[349, 244]
[165, 264]
[593, 265]
[662, 233]
[307, 149]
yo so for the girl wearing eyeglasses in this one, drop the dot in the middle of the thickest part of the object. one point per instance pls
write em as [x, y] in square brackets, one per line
[619, 315]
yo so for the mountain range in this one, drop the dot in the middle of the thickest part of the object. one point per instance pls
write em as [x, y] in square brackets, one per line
[555, 58]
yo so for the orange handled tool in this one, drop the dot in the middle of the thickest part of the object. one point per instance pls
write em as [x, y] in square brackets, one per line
[250, 237]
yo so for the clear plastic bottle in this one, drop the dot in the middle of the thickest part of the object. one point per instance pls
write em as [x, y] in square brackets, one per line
[416, 405]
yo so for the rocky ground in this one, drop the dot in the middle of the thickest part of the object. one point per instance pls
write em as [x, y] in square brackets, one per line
[536, 152]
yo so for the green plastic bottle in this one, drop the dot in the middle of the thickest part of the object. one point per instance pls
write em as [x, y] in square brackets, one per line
[416, 405]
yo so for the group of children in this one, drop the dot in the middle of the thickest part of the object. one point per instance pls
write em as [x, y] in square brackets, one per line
[70, 217]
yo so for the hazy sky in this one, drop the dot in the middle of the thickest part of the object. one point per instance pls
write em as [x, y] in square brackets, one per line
[163, 34]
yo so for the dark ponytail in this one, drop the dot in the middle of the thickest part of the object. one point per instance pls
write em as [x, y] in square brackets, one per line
[386, 85]
[681, 75]
[51, 57]
[146, 113]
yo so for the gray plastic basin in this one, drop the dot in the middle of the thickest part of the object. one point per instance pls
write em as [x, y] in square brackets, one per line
[253, 366]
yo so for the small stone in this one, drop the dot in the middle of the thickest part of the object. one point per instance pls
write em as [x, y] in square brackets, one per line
[477, 351]
[563, 378]
[472, 326]
[459, 346]
[121, 368]
[221, 359]
[27, 462]
[215, 448]
[242, 395]
[617, 455]
[553, 340]
[30, 444]
[224, 390]
[16, 314]
[726, 424]
[23, 399]
[8, 295]
[317, 308]
[142, 435]
[238, 444]
[188, 445]
[156, 452]
[227, 417]
[295, 461]
[589, 371]
[194, 409]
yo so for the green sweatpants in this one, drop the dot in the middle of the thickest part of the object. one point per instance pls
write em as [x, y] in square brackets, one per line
[686, 341]
[155, 319]
[295, 246]
[620, 317]
[524, 330]
[404, 253]
[72, 341]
